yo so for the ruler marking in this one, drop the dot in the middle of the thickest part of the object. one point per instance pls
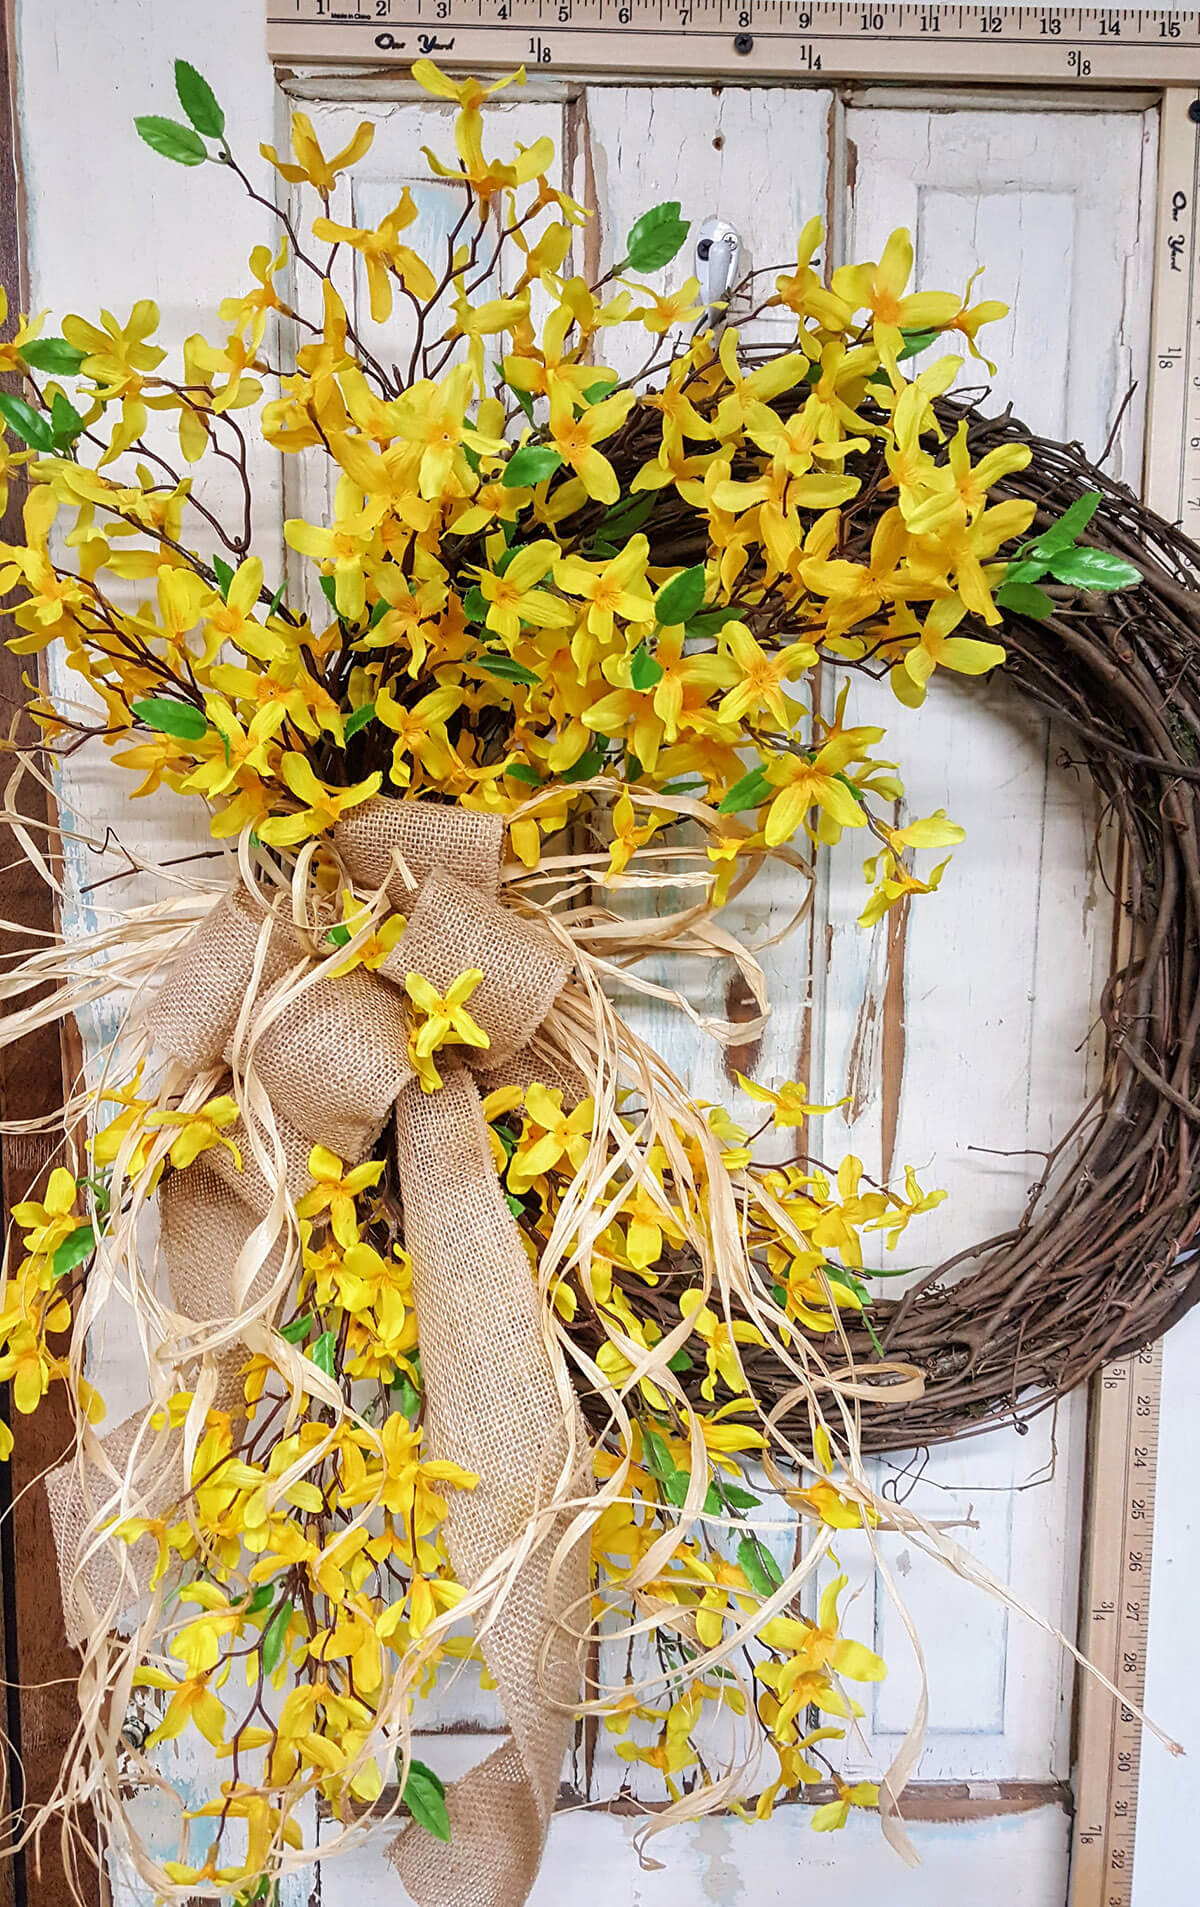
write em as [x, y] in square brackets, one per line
[788, 38]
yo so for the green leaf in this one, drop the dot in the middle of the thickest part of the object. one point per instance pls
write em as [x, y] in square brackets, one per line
[532, 463]
[75, 1248]
[262, 1599]
[223, 572]
[656, 237]
[475, 605]
[739, 1498]
[198, 100]
[838, 1275]
[712, 620]
[408, 1395]
[339, 935]
[675, 1489]
[678, 600]
[644, 671]
[1025, 571]
[425, 1798]
[627, 514]
[277, 598]
[329, 591]
[31, 426]
[1024, 599]
[65, 421]
[873, 1334]
[322, 1353]
[275, 1636]
[514, 1204]
[53, 355]
[523, 397]
[758, 1566]
[1094, 569]
[682, 1361]
[171, 140]
[521, 771]
[181, 719]
[750, 792]
[359, 719]
[298, 1329]
[674, 1482]
[506, 668]
[854, 789]
[596, 391]
[914, 343]
[378, 611]
[659, 1458]
[101, 1198]
[1070, 526]
[590, 763]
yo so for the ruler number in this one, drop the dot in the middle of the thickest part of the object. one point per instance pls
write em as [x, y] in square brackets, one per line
[1144, 1405]
[1169, 28]
[870, 21]
[991, 23]
[1051, 23]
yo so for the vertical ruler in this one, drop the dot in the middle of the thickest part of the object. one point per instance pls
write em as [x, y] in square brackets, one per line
[1115, 1626]
[1172, 480]
[1124, 1428]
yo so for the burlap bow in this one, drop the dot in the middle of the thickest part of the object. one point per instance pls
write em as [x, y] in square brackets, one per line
[499, 1402]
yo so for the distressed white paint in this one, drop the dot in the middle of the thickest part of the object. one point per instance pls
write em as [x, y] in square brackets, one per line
[1057, 203]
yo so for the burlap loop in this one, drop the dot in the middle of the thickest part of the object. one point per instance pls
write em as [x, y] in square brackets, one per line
[452, 927]
[424, 836]
[500, 1404]
[331, 1054]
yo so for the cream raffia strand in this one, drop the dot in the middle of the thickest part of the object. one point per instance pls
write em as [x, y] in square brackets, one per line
[245, 1001]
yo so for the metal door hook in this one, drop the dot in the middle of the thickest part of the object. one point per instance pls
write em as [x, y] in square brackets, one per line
[718, 253]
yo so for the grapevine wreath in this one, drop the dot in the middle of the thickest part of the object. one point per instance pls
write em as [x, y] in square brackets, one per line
[471, 1338]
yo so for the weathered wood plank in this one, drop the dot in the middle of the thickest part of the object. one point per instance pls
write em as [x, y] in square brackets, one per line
[39, 1668]
[965, 1031]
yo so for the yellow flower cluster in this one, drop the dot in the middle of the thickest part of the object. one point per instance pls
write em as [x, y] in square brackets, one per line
[502, 610]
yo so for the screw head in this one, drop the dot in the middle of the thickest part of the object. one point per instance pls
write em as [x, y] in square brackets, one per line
[743, 42]
[1194, 111]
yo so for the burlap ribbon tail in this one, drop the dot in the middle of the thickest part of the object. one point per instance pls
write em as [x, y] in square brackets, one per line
[498, 1397]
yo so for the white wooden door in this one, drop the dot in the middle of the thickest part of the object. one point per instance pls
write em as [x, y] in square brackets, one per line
[968, 1029]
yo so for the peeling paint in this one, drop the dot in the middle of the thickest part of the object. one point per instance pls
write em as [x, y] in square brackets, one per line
[893, 1033]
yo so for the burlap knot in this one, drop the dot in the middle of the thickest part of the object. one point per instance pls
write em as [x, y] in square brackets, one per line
[499, 1402]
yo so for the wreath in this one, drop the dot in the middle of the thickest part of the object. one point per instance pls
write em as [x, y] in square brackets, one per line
[476, 1336]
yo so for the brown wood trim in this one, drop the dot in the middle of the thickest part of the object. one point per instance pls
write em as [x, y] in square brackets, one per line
[40, 1667]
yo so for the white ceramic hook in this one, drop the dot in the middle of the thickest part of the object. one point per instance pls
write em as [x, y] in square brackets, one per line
[718, 253]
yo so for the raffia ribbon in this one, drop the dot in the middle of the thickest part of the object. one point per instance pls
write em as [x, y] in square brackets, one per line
[499, 1401]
